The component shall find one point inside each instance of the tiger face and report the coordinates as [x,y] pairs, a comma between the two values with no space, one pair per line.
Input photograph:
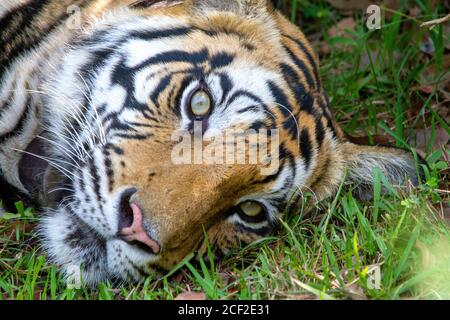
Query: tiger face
[127,197]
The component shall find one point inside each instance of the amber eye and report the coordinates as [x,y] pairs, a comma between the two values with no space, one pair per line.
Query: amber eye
[251,209]
[200,103]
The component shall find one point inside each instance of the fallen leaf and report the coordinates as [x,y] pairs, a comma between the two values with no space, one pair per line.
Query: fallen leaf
[11,226]
[431,76]
[374,57]
[340,29]
[305,296]
[178,278]
[423,139]
[190,295]
[378,139]
[426,89]
[355,292]
[323,49]
[226,278]
[347,7]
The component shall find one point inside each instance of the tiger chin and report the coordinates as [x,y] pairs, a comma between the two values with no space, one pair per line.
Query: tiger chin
[93,92]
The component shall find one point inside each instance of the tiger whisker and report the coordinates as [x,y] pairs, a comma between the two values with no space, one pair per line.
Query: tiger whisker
[59,189]
[65,150]
[75,115]
[97,117]
[63,170]
[89,99]
[84,124]
[78,145]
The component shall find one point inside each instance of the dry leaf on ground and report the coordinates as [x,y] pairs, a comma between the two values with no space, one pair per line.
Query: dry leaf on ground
[423,139]
[347,7]
[339,29]
[191,296]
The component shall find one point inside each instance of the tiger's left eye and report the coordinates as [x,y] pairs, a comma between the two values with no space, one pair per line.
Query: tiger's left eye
[200,103]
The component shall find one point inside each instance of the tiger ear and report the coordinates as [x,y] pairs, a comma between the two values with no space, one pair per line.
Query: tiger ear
[396,165]
[247,8]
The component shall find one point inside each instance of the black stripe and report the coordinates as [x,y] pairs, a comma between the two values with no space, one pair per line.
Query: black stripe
[162,85]
[301,65]
[285,156]
[145,125]
[308,55]
[305,146]
[175,56]
[243,39]
[103,36]
[116,149]
[26,12]
[244,93]
[221,60]
[290,125]
[303,98]
[257,125]
[80,180]
[27,42]
[7,104]
[159,34]
[326,112]
[146,3]
[259,231]
[320,132]
[95,181]
[134,136]
[280,98]
[184,83]
[19,125]
[272,177]
[109,170]
[226,85]
[284,153]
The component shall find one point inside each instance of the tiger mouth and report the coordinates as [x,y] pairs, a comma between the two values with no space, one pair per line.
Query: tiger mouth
[33,167]
[39,176]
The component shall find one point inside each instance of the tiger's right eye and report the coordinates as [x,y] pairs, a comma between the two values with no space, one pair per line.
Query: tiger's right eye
[252,211]
[200,103]
[251,208]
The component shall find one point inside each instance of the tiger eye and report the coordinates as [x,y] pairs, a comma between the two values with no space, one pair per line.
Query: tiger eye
[251,208]
[200,103]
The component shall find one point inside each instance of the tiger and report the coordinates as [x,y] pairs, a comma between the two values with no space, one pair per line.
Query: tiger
[92,93]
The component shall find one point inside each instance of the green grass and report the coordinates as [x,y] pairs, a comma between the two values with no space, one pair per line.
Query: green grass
[329,252]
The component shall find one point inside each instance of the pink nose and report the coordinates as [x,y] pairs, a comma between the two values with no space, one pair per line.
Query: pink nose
[137,232]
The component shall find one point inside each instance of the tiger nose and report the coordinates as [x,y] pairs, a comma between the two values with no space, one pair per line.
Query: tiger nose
[131,224]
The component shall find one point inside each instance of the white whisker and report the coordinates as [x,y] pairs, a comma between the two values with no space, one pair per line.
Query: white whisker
[60,168]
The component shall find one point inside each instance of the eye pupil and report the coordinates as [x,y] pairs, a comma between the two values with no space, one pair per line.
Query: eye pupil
[200,103]
[251,208]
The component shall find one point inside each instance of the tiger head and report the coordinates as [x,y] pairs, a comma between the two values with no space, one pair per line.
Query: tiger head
[147,100]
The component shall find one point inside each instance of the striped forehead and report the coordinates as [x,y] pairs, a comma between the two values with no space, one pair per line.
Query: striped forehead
[150,60]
